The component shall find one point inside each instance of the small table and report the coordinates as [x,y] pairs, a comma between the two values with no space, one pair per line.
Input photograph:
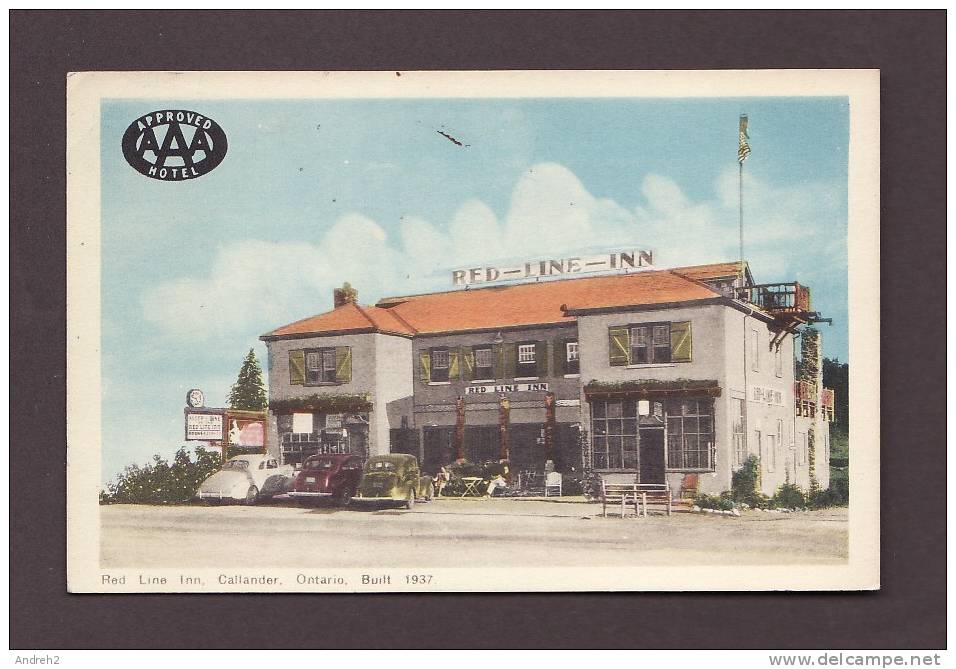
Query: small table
[471,485]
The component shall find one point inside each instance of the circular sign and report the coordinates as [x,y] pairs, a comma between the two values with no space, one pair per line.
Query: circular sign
[174,145]
[195,398]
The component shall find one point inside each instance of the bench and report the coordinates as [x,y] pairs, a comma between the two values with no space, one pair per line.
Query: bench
[620,493]
[655,493]
[638,494]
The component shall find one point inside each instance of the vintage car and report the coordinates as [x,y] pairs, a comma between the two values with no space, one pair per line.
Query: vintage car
[334,476]
[395,478]
[245,479]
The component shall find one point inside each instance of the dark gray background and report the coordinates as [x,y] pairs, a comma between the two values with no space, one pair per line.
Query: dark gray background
[909,48]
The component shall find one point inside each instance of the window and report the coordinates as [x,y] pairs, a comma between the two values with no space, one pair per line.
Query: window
[780,441]
[526,354]
[740,444]
[440,362]
[755,350]
[614,423]
[484,364]
[803,448]
[527,361]
[758,439]
[771,453]
[572,366]
[320,365]
[690,434]
[777,361]
[651,343]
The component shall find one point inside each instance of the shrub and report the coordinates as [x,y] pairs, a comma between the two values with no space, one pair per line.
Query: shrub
[745,482]
[789,496]
[838,493]
[160,482]
[722,502]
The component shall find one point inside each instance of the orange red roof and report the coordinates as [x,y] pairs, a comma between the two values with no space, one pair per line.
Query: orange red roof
[514,305]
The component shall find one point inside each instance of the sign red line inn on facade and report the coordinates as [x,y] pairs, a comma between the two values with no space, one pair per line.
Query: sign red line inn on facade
[619,370]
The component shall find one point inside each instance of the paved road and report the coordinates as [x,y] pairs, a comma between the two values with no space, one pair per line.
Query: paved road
[459,533]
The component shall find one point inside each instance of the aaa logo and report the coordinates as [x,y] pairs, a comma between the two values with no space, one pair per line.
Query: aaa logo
[174,145]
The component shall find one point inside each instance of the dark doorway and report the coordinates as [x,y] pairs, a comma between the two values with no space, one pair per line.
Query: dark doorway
[438,448]
[652,455]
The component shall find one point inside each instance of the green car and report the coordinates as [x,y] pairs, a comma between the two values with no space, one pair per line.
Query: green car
[394,478]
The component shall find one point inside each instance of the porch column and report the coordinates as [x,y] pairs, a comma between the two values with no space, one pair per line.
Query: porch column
[459,443]
[504,417]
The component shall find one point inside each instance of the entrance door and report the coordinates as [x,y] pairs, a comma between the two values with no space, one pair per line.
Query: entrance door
[652,455]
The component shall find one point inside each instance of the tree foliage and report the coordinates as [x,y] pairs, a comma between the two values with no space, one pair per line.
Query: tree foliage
[836,375]
[162,482]
[249,392]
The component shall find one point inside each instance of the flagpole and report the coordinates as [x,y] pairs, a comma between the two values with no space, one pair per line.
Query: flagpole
[740,198]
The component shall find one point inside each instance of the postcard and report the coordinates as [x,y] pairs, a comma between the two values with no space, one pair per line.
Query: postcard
[473,331]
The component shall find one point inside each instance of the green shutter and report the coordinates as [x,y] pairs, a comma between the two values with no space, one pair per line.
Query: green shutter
[467,363]
[453,366]
[541,357]
[682,348]
[560,351]
[619,346]
[508,360]
[297,367]
[343,364]
[425,369]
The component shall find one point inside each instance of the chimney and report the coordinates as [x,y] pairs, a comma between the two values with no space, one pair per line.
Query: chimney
[344,295]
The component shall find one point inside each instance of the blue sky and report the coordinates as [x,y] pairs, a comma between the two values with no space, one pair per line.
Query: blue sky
[314,193]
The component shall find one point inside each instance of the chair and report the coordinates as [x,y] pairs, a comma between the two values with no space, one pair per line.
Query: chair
[552,482]
[689,486]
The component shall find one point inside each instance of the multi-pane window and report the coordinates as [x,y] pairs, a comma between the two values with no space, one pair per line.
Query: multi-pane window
[484,364]
[527,363]
[614,423]
[690,434]
[320,365]
[740,444]
[572,365]
[651,343]
[439,360]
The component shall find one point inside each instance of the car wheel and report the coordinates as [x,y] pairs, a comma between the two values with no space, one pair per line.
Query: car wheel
[251,495]
[344,497]
[410,501]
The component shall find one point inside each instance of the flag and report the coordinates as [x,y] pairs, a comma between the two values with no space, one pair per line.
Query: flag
[743,148]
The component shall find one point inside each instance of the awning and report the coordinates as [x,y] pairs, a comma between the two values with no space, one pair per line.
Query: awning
[649,389]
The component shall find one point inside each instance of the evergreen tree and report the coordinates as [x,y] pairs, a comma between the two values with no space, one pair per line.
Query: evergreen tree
[249,392]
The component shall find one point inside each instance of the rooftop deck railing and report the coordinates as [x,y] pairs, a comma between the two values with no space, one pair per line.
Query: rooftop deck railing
[777,298]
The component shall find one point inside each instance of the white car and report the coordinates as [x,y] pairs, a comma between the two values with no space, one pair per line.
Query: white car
[246,479]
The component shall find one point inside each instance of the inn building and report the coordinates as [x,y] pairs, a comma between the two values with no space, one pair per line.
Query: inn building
[644,375]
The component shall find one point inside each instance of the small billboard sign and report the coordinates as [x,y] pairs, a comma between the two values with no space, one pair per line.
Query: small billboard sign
[203,426]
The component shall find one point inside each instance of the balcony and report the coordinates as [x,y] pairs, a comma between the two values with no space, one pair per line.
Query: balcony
[778,299]
[807,400]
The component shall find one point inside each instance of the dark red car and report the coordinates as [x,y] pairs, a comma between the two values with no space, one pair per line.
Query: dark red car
[334,477]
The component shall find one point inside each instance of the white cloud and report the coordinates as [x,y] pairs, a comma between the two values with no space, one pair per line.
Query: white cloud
[256,285]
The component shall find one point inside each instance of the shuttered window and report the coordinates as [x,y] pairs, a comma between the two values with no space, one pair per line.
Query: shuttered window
[320,366]
[440,359]
[650,343]
[527,365]
[441,365]
[571,365]
[484,364]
